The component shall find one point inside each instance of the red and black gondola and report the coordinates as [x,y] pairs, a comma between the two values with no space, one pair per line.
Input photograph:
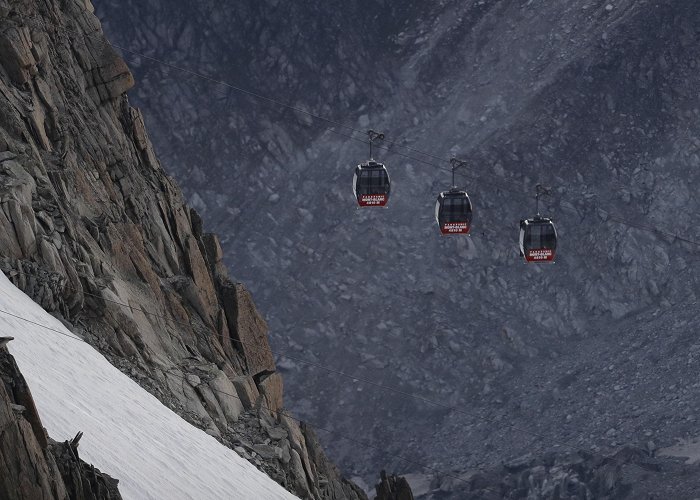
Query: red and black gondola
[538,235]
[538,239]
[453,208]
[371,184]
[453,212]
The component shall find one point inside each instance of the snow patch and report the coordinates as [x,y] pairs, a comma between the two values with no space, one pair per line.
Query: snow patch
[129,434]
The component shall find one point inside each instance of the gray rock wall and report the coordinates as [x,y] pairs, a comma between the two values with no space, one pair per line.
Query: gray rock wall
[93,229]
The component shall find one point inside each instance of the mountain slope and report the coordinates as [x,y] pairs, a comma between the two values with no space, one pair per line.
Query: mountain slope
[597,100]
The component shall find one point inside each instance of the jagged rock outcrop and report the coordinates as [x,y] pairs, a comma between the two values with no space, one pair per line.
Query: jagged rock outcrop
[93,229]
[32,466]
[393,487]
[83,481]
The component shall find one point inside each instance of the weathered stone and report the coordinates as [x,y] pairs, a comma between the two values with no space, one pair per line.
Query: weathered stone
[248,328]
[140,136]
[7,155]
[276,433]
[8,238]
[211,404]
[271,387]
[20,183]
[16,54]
[226,394]
[215,255]
[50,255]
[24,472]
[187,290]
[265,451]
[193,404]
[284,451]
[393,488]
[23,228]
[301,485]
[324,468]
[111,77]
[83,481]
[199,271]
[298,444]
[247,391]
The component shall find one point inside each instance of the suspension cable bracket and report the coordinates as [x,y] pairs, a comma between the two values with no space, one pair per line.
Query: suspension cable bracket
[456,163]
[374,136]
[540,191]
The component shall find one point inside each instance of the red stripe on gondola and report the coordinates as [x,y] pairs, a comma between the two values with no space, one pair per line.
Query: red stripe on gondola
[540,255]
[455,228]
[373,200]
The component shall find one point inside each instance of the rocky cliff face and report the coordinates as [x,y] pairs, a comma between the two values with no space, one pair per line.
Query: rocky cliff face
[31,465]
[596,99]
[93,229]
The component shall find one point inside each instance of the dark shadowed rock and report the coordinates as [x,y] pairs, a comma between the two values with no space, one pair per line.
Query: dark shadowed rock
[83,481]
[393,487]
[31,468]
[249,328]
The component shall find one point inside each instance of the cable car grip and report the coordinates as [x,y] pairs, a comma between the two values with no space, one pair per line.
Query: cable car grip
[540,191]
[456,163]
[374,136]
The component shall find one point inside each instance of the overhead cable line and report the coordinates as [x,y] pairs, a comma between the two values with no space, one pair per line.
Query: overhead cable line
[499,186]
[273,101]
[243,343]
[390,389]
[102,39]
[369,382]
[334,371]
[278,412]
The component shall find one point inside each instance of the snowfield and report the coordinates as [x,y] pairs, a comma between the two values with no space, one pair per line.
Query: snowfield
[129,434]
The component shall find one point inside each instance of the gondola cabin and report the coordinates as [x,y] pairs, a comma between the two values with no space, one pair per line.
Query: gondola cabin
[538,240]
[453,212]
[371,184]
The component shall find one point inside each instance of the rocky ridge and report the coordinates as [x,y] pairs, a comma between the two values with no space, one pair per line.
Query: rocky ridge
[93,229]
[32,466]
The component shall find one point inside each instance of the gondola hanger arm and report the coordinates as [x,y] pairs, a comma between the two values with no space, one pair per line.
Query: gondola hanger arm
[456,163]
[374,136]
[540,191]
